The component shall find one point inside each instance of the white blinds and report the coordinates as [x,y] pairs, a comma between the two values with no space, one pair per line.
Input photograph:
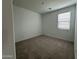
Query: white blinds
[64,20]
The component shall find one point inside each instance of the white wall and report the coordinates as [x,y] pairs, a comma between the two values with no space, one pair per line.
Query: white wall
[50,24]
[27,23]
[8,44]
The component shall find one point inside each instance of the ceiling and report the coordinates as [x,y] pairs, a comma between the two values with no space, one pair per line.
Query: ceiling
[43,6]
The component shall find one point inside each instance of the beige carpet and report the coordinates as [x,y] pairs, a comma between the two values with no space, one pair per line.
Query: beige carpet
[44,47]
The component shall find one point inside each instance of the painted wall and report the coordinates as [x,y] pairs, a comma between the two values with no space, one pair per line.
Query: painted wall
[50,24]
[75,41]
[27,24]
[8,45]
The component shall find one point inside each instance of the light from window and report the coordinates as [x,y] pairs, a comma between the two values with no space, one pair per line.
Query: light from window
[64,21]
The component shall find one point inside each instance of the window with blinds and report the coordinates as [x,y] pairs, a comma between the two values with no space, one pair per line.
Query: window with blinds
[64,21]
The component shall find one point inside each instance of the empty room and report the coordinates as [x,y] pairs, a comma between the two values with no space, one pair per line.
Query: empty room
[44,29]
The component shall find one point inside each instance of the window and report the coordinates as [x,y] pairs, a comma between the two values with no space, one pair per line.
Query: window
[64,21]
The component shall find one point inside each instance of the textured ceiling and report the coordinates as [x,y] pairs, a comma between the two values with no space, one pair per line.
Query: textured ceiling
[43,6]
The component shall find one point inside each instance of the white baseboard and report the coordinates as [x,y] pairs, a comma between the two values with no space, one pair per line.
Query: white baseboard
[58,37]
[28,37]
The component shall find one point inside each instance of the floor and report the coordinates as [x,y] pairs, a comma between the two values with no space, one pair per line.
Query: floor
[44,47]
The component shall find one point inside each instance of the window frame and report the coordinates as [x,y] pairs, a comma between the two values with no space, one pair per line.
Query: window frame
[64,21]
